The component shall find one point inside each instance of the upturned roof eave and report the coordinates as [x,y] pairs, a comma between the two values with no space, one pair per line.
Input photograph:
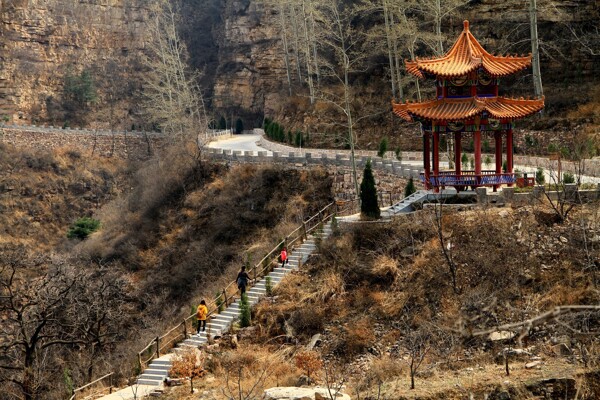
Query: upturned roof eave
[473,106]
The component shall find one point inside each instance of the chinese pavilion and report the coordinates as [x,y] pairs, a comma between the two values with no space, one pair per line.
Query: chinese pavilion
[467,103]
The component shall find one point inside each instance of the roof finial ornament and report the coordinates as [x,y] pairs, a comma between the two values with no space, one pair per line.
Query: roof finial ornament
[466,24]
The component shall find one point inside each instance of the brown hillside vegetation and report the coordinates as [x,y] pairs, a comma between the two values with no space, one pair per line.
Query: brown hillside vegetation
[172,231]
[181,228]
[42,193]
[381,295]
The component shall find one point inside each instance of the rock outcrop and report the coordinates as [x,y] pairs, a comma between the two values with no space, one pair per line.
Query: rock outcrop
[304,393]
[43,39]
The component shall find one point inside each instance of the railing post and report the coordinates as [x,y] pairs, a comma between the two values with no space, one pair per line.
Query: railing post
[140,361]
[255,273]
[110,385]
[304,230]
[225,297]
[184,330]
[157,346]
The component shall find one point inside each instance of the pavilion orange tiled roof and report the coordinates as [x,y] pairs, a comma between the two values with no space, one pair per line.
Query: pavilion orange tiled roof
[466,56]
[465,108]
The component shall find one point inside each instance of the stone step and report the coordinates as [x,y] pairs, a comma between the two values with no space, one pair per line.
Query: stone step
[149,382]
[156,372]
[231,313]
[157,368]
[158,361]
[154,377]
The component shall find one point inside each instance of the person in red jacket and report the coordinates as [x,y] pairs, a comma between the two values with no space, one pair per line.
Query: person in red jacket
[283,257]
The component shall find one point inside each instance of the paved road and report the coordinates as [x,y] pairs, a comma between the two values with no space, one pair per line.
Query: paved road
[245,142]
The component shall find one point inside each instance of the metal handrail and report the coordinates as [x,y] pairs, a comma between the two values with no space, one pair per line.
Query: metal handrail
[323,215]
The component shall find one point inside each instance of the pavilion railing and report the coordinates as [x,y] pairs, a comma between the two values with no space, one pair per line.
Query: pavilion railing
[469,178]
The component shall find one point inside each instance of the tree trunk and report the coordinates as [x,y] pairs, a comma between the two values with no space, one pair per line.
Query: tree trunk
[296,41]
[398,75]
[537,76]
[311,87]
[313,40]
[389,46]
[438,27]
[285,46]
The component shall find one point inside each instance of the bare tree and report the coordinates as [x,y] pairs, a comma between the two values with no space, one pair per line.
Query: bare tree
[173,99]
[445,245]
[417,343]
[345,45]
[98,303]
[33,322]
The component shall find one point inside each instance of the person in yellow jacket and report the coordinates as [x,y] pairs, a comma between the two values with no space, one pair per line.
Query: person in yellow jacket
[201,314]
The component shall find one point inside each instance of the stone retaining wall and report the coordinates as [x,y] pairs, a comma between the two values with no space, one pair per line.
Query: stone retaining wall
[390,177]
[135,145]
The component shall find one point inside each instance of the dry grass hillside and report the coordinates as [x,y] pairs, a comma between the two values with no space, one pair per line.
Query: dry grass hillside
[42,193]
[382,298]
[173,230]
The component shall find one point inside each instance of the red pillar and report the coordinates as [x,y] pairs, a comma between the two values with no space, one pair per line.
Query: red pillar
[509,151]
[426,155]
[457,152]
[498,146]
[477,145]
[436,157]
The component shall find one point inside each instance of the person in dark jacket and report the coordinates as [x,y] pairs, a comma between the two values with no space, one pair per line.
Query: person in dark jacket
[242,280]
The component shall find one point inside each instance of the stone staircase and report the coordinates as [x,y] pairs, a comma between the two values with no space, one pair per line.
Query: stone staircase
[405,206]
[159,368]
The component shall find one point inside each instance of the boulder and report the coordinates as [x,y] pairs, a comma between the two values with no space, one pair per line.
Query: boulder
[562,349]
[304,393]
[501,335]
[314,341]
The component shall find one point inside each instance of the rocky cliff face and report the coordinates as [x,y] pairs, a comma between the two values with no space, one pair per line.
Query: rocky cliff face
[251,78]
[237,45]
[43,39]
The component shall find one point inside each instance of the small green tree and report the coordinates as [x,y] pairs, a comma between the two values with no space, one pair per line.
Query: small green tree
[268,286]
[568,178]
[486,146]
[244,311]
[464,160]
[368,194]
[410,187]
[298,140]
[222,123]
[540,178]
[398,153]
[488,160]
[383,146]
[239,126]
[83,227]
[219,301]
[472,163]
[505,167]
